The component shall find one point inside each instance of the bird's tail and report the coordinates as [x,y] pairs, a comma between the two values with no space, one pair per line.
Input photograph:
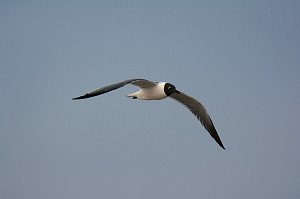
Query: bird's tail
[133,95]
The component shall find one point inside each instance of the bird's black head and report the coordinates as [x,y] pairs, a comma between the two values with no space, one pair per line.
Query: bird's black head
[169,89]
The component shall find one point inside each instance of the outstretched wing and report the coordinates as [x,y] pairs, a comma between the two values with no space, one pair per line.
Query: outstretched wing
[200,112]
[142,83]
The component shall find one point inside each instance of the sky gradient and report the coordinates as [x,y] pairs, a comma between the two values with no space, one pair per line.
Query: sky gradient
[240,59]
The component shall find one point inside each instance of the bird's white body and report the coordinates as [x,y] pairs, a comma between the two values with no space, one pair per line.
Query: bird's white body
[151,93]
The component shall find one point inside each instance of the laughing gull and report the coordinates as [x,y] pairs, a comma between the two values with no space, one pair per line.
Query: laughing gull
[160,90]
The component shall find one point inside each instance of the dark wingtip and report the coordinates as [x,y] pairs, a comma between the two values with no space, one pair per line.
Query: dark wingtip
[81,97]
[213,132]
[218,140]
[222,146]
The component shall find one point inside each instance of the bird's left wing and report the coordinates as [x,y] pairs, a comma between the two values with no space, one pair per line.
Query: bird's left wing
[200,112]
[143,83]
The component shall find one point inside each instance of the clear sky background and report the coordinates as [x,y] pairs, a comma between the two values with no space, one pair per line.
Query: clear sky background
[239,58]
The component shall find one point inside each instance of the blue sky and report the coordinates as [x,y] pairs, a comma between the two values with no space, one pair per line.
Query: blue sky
[240,59]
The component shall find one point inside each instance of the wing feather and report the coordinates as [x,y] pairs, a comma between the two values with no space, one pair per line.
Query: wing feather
[200,112]
[142,83]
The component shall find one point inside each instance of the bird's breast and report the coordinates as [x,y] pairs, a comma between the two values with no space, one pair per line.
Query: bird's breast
[153,93]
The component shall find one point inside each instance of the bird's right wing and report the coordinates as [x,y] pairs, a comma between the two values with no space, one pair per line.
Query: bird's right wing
[142,83]
[200,112]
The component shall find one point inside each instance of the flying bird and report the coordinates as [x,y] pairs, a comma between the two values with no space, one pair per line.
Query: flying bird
[150,90]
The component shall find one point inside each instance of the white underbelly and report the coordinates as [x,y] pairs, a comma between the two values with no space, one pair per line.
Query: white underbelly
[154,93]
